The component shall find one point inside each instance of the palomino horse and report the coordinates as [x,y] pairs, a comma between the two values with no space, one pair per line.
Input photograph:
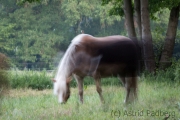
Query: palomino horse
[97,57]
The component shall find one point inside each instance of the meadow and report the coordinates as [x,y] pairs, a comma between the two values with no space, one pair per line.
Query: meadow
[29,98]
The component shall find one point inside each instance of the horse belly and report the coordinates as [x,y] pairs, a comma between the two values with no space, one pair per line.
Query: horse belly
[107,70]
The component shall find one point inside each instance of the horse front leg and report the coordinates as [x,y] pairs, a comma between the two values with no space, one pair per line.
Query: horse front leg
[79,81]
[98,89]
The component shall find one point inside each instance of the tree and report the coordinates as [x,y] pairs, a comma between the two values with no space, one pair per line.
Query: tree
[29,34]
[128,12]
[142,20]
[165,60]
[143,26]
[169,40]
[79,13]
[6,31]
[147,37]
[33,33]
[137,8]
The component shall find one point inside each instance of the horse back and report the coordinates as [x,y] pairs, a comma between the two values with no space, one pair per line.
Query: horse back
[115,55]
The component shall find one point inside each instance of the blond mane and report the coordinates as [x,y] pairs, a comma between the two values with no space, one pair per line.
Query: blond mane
[66,64]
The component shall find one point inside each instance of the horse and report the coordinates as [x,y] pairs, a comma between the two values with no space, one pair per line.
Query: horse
[98,57]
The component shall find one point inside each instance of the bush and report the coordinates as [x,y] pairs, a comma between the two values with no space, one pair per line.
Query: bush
[170,76]
[4,65]
[4,84]
[42,80]
[30,79]
[177,72]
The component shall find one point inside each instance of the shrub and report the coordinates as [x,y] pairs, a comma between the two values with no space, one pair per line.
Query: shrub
[30,79]
[171,75]
[4,84]
[4,65]
[177,72]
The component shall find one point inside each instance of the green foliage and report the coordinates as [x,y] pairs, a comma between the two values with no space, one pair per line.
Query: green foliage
[116,9]
[158,31]
[154,6]
[34,33]
[81,14]
[30,79]
[4,65]
[177,72]
[4,84]
[170,76]
[42,80]
[161,4]
[21,2]
[26,35]
[6,31]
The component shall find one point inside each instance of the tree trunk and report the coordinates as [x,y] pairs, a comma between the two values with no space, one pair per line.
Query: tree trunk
[165,60]
[129,22]
[149,59]
[137,8]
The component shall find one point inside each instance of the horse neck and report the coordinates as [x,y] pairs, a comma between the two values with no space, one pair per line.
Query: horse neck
[64,71]
[66,65]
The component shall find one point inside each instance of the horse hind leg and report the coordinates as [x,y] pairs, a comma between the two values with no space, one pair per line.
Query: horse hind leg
[79,81]
[99,89]
[131,89]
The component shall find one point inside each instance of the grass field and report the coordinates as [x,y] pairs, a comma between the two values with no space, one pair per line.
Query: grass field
[156,100]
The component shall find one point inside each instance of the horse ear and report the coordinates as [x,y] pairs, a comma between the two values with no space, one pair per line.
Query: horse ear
[53,80]
[69,79]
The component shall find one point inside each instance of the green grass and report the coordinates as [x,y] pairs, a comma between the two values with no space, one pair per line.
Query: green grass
[153,97]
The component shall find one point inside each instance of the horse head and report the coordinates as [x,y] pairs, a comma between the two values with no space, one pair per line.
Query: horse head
[62,89]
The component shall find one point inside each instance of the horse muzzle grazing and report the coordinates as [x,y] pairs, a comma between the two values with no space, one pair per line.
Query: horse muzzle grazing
[62,90]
